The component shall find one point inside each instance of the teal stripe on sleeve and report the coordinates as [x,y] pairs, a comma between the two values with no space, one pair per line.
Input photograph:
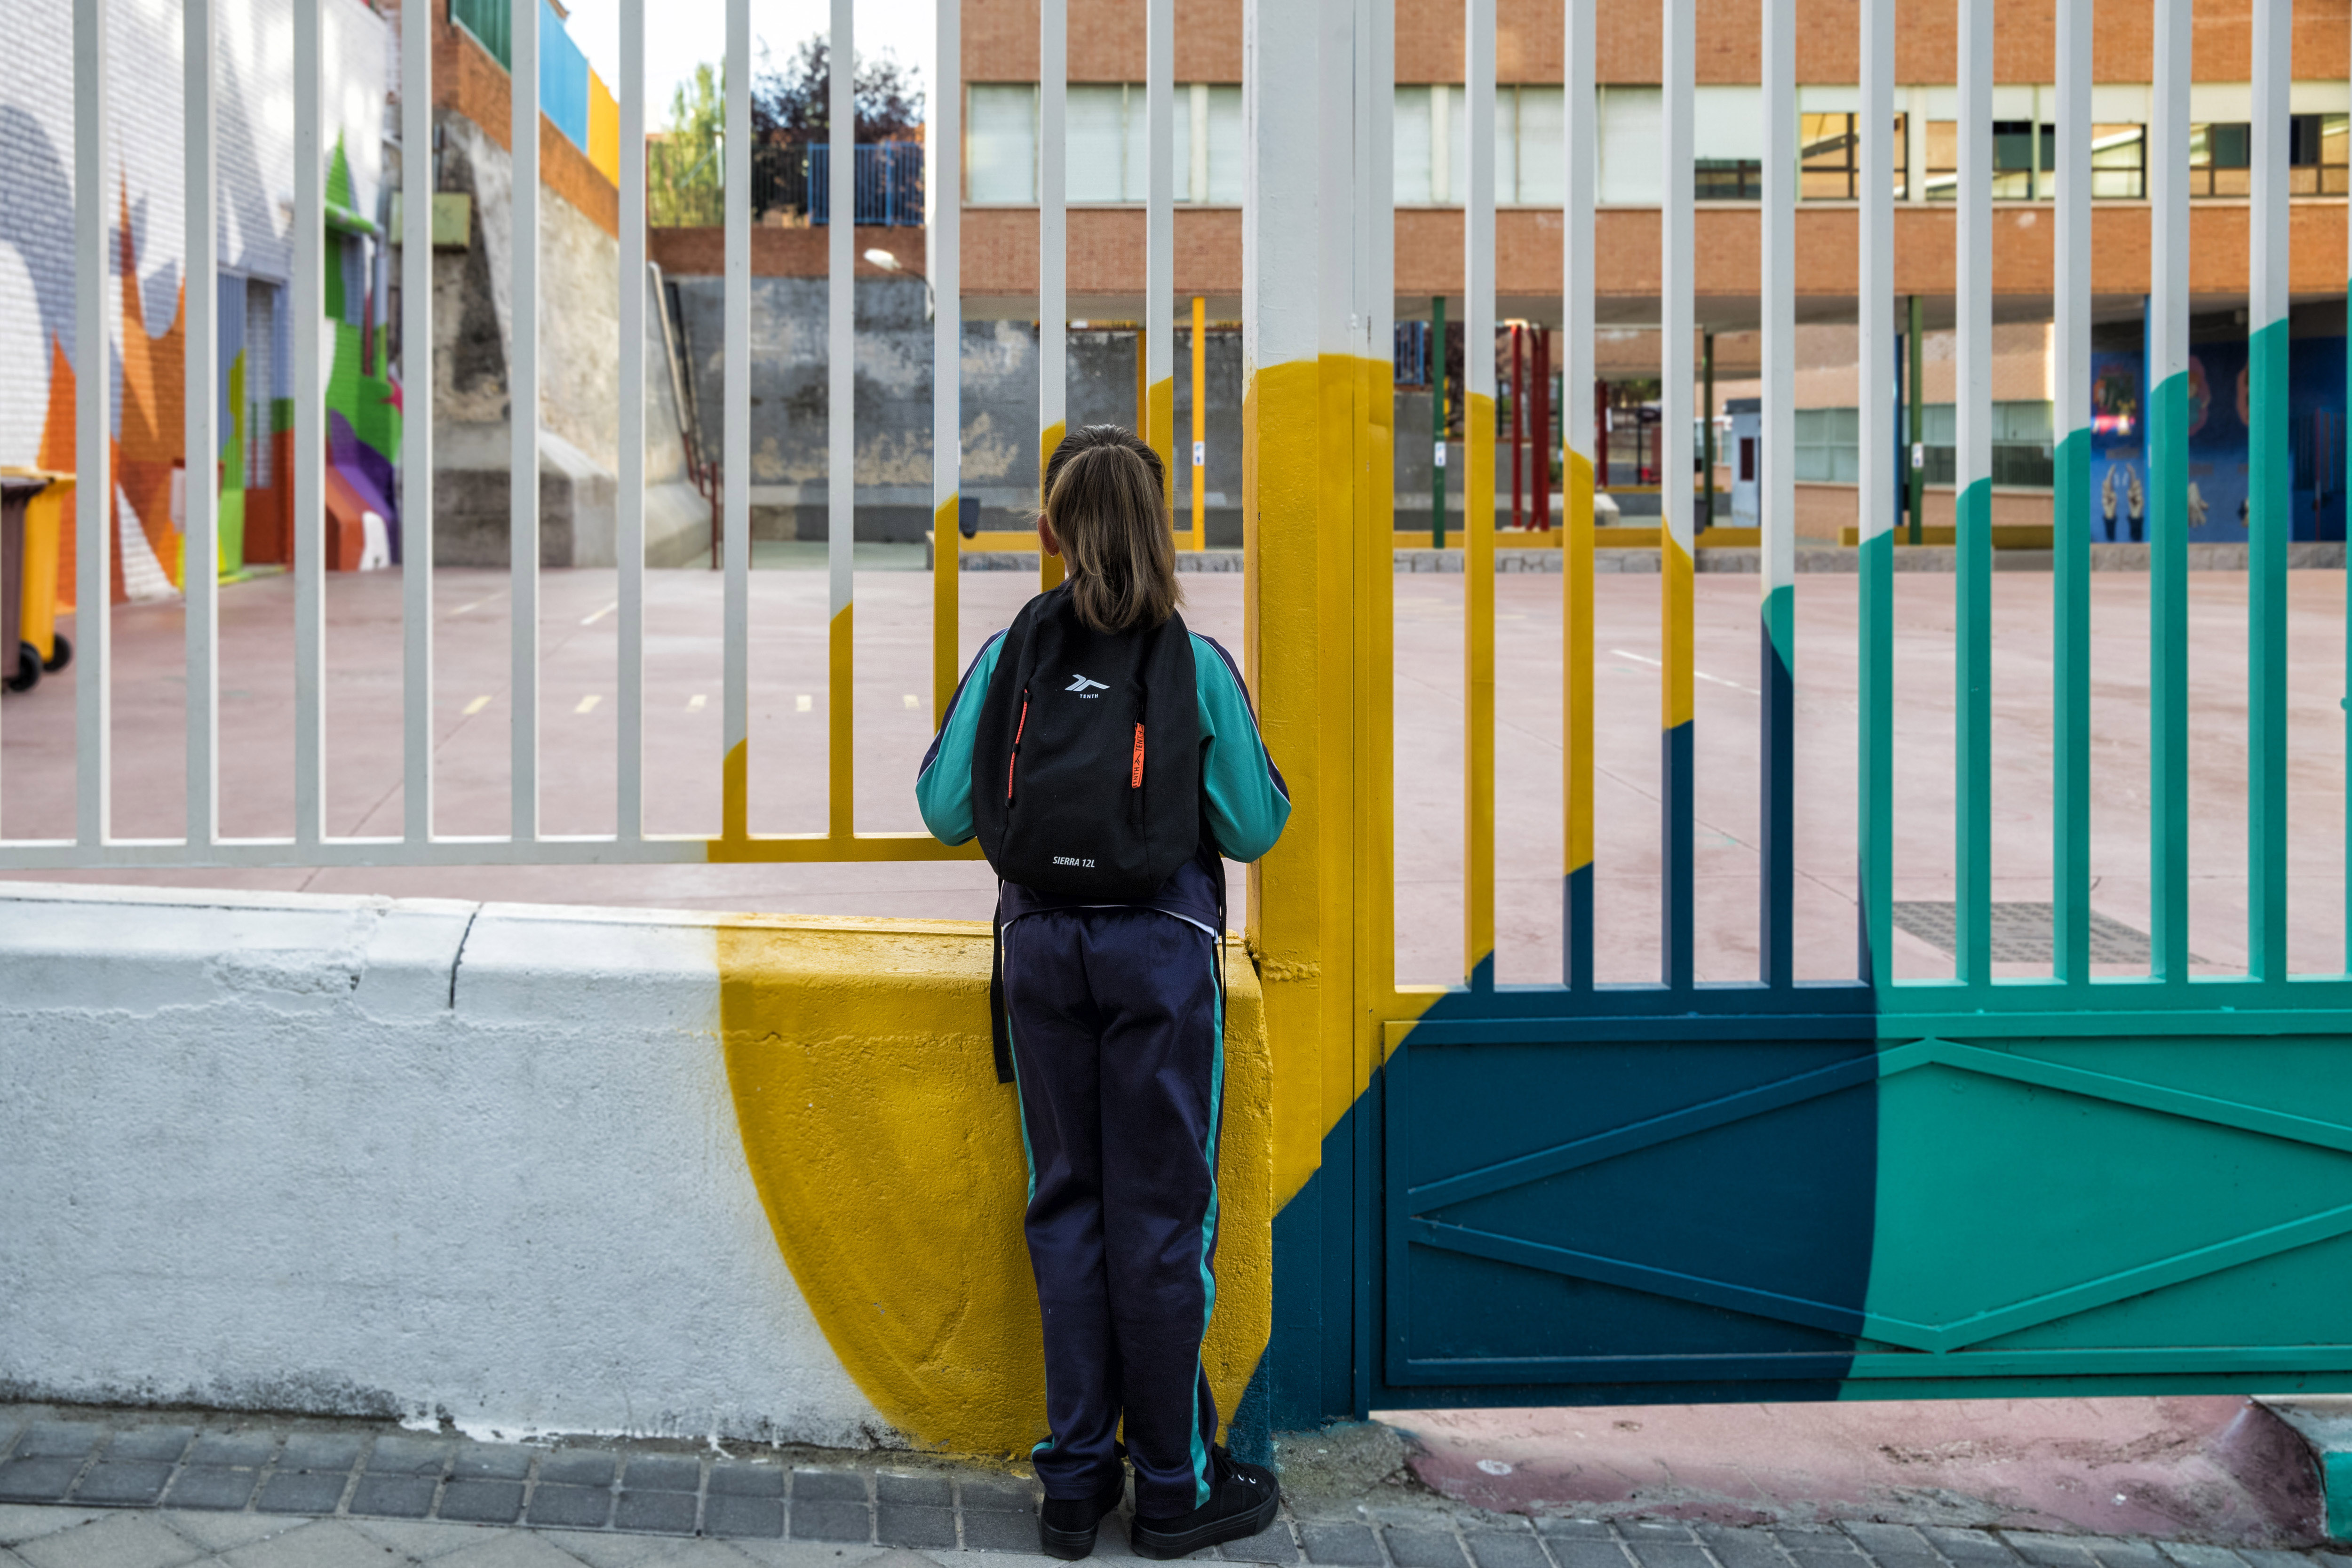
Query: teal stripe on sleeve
[943,789]
[1248,804]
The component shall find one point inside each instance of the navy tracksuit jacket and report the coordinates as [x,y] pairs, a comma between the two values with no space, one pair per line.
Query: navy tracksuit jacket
[1118,1047]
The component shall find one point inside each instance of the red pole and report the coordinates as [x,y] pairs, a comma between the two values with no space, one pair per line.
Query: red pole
[1543,431]
[1518,403]
[1600,435]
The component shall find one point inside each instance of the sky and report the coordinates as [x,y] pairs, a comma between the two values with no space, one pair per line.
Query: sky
[682,34]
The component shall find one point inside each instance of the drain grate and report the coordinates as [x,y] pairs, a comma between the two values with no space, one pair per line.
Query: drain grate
[2020,933]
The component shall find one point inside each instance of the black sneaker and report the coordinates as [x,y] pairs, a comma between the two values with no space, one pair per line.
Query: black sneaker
[1066,1526]
[1242,1500]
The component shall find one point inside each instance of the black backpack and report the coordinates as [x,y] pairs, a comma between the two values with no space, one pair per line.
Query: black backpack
[1086,767]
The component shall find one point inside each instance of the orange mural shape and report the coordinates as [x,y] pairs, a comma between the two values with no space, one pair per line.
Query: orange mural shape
[152,439]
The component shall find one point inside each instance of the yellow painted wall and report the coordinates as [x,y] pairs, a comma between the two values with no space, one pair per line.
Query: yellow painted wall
[604,129]
[889,1161]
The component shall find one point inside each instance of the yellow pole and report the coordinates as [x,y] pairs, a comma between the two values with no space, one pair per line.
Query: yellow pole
[1200,421]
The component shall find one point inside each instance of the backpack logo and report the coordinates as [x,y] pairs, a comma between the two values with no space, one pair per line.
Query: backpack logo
[1084,688]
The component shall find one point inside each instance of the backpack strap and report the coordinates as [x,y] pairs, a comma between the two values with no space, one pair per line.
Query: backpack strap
[1000,1025]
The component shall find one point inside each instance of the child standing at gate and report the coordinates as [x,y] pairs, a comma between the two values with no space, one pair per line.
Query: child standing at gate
[1108,760]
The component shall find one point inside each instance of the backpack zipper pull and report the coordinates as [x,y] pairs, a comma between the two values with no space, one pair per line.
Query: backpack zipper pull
[1015,762]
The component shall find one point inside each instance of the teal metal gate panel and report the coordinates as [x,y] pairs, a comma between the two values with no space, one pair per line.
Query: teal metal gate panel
[1730,1216]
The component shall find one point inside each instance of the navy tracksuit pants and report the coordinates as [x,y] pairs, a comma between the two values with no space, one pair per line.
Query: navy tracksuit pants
[1118,1045]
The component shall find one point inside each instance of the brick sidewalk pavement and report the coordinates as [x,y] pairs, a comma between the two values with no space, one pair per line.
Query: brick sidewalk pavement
[139,1489]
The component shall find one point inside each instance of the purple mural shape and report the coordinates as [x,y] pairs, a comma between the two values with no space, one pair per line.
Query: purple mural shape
[369,473]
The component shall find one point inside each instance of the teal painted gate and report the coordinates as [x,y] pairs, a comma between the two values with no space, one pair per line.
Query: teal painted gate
[1678,1192]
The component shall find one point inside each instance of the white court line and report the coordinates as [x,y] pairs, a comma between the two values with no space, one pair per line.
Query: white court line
[1654,664]
[600,615]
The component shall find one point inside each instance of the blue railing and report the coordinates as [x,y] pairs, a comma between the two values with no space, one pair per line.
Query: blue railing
[799,179]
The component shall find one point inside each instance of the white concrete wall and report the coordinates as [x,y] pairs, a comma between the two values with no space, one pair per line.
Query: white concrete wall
[403,1158]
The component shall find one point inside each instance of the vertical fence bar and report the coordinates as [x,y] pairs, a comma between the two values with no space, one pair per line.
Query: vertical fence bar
[2071,525]
[416,421]
[1777,892]
[1159,238]
[522,403]
[943,197]
[735,439]
[1972,490]
[1478,496]
[1579,158]
[2272,497]
[629,818]
[2167,467]
[200,553]
[307,301]
[1881,471]
[93,426]
[1374,593]
[1437,422]
[1053,248]
[1675,542]
[841,432]
[1200,421]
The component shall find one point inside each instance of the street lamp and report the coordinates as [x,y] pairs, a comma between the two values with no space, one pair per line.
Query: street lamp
[889,263]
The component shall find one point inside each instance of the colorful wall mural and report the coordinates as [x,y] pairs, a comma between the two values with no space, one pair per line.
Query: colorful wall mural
[255,153]
[2218,420]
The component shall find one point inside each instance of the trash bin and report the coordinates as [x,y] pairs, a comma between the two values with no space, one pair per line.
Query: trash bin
[32,509]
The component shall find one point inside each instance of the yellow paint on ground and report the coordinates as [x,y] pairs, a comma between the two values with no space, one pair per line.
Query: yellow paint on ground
[889,1162]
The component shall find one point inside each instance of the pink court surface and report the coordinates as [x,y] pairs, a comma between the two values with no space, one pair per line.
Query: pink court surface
[2164,1466]
[790,697]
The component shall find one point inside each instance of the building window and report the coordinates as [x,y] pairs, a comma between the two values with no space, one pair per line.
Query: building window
[1941,174]
[1429,167]
[1001,143]
[2316,156]
[1829,155]
[1104,152]
[1631,127]
[2020,443]
[2021,156]
[1106,144]
[2119,162]
[1727,179]
[2221,158]
[1829,446]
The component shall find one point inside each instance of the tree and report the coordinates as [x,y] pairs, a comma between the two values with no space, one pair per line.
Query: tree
[684,172]
[794,104]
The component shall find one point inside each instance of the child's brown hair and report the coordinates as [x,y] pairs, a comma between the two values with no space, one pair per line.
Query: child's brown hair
[1106,496]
